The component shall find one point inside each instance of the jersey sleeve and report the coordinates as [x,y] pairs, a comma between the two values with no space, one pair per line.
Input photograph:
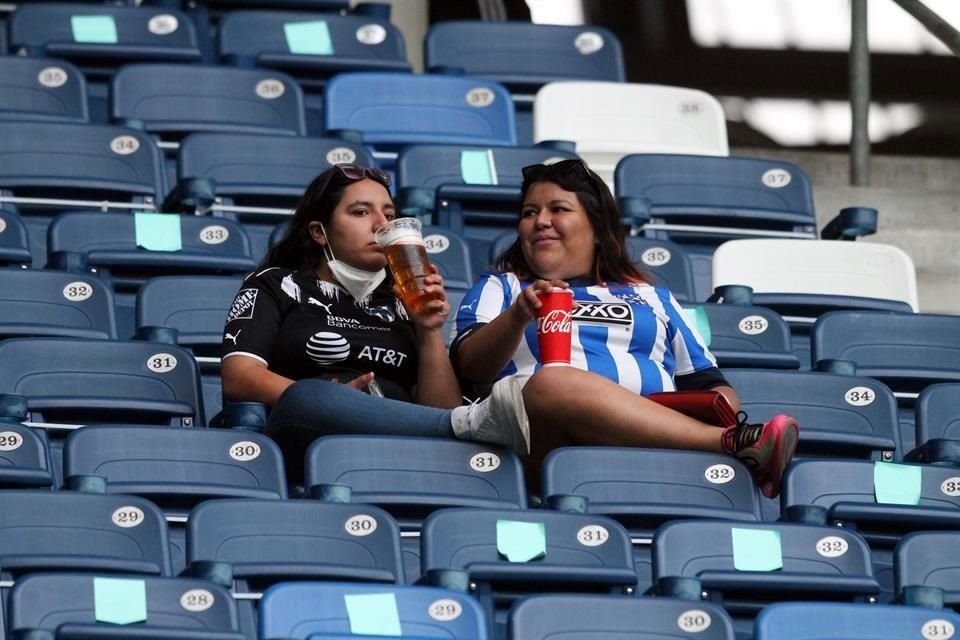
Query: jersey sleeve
[486,300]
[689,348]
[254,317]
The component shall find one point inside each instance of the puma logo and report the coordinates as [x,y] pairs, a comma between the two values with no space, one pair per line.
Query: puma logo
[469,307]
[326,307]
[230,336]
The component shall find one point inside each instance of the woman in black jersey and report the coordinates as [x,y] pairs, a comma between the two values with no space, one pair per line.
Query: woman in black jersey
[320,322]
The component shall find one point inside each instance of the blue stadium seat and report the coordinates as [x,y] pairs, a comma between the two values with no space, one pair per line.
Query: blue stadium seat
[55,303]
[70,381]
[749,336]
[926,569]
[317,611]
[24,455]
[644,488]
[396,109]
[66,531]
[701,201]
[474,191]
[323,6]
[42,89]
[840,416]
[60,606]
[523,57]
[216,99]
[257,179]
[817,620]
[14,240]
[412,477]
[611,618]
[450,254]
[938,416]
[725,560]
[497,550]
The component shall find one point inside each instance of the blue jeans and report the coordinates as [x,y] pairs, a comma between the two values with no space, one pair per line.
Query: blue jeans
[313,407]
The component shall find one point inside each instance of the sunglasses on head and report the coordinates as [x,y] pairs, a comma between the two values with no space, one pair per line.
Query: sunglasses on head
[355,173]
[539,172]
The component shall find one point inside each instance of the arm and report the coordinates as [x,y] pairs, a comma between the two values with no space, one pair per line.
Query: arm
[248,380]
[437,384]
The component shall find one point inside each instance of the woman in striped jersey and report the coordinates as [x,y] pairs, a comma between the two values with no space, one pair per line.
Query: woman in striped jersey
[630,338]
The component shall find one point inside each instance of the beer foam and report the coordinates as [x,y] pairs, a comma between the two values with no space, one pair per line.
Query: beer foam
[392,235]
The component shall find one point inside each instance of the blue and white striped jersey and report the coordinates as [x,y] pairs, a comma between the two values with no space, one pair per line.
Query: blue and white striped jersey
[636,335]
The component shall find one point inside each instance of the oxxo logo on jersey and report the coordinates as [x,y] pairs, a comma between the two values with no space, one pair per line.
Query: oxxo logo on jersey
[603,312]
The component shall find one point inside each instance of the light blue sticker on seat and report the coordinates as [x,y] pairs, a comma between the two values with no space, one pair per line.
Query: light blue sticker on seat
[478,167]
[119,601]
[94,29]
[309,38]
[158,231]
[756,549]
[700,321]
[897,483]
[373,614]
[521,541]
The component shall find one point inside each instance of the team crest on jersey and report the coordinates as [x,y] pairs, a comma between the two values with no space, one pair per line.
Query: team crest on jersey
[634,298]
[618,313]
[243,305]
[384,313]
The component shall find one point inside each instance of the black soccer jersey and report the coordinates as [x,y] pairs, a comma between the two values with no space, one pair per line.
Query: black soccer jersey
[303,327]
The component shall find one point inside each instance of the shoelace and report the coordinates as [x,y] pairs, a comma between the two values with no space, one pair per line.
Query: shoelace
[741,435]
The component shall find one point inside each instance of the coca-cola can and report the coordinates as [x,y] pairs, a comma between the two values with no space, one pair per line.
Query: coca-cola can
[555,326]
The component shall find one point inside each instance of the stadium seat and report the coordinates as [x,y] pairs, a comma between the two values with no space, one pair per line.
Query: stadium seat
[258,179]
[473,191]
[323,6]
[644,488]
[59,606]
[611,617]
[523,57]
[251,544]
[609,120]
[42,89]
[701,201]
[508,553]
[412,477]
[316,611]
[14,241]
[937,418]
[24,453]
[55,303]
[926,569]
[745,565]
[69,381]
[391,110]
[817,620]
[748,336]
[840,416]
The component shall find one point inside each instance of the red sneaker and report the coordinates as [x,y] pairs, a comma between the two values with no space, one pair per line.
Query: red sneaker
[766,448]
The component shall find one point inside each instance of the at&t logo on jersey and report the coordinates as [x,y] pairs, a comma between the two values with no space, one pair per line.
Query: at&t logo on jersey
[327,348]
[603,312]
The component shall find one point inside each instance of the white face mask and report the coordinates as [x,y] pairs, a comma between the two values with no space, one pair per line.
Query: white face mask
[359,283]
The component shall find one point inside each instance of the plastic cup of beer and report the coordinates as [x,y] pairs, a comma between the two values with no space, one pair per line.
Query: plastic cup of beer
[402,244]
[555,326]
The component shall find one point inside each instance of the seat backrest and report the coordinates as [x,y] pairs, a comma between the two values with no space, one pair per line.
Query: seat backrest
[818,267]
[311,43]
[579,551]
[67,531]
[14,240]
[449,252]
[325,6]
[609,120]
[840,416]
[42,89]
[585,617]
[196,306]
[67,604]
[643,488]
[395,109]
[55,303]
[269,540]
[81,381]
[938,412]
[61,160]
[764,562]
[749,336]
[320,610]
[208,245]
[181,99]
[523,55]
[916,348]
[176,468]
[411,477]
[108,34]
[24,457]
[667,262]
[929,559]
[816,620]
[723,193]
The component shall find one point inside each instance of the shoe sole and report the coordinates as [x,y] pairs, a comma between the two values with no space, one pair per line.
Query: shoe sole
[515,400]
[785,447]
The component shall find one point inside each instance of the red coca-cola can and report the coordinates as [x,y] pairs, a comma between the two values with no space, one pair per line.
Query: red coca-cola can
[555,326]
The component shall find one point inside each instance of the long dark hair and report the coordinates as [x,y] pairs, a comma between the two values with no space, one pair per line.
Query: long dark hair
[611,262]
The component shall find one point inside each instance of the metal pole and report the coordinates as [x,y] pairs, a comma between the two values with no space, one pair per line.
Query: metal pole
[859,95]
[940,28]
